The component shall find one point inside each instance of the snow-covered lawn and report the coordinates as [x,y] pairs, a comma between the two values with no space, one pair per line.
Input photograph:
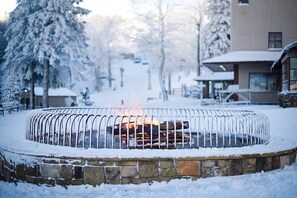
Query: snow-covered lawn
[278,183]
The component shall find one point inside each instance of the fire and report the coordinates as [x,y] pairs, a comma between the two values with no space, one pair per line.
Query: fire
[134,117]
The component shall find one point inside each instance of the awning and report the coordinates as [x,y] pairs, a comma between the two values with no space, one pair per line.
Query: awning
[216,76]
[225,62]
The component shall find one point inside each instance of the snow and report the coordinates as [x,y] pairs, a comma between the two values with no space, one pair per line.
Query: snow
[55,92]
[278,183]
[245,56]
[283,52]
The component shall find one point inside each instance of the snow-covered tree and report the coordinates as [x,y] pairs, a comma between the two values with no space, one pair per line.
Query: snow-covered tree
[105,35]
[217,32]
[197,11]
[48,32]
[3,42]
[152,30]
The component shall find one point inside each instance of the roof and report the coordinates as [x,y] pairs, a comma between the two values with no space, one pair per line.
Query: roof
[225,62]
[55,92]
[216,76]
[283,52]
[244,56]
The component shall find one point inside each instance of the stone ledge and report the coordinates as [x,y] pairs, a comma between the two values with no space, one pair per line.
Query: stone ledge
[95,171]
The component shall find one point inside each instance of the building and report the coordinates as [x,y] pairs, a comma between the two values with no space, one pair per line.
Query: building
[260,30]
[60,97]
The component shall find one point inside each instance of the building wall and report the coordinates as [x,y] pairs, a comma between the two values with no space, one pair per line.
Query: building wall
[244,80]
[54,101]
[251,23]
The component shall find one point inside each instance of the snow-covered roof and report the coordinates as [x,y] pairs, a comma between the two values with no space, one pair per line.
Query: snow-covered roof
[55,92]
[283,52]
[245,56]
[216,76]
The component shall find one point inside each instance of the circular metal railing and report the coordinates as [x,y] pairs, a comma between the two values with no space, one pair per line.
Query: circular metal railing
[141,128]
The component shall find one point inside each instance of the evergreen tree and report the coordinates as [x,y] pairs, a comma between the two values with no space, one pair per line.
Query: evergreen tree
[216,37]
[48,32]
[3,44]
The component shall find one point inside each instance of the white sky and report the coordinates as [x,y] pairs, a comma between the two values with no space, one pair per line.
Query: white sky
[103,7]
[6,6]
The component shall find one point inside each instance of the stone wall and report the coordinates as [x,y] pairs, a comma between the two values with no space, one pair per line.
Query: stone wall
[94,171]
[287,99]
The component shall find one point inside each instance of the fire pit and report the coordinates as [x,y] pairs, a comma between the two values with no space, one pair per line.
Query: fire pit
[122,128]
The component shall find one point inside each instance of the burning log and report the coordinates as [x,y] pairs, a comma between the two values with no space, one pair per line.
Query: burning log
[123,128]
[172,125]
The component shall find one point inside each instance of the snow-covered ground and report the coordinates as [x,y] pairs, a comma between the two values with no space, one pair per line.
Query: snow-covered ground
[278,183]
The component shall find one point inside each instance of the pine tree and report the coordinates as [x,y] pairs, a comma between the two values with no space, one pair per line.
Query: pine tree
[217,32]
[48,32]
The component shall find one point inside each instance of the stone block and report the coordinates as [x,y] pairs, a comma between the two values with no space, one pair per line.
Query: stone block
[249,169]
[47,181]
[112,175]
[127,163]
[188,168]
[168,172]
[66,171]
[50,170]
[1,166]
[93,175]
[223,163]
[252,161]
[33,171]
[7,174]
[93,163]
[148,169]
[284,160]
[167,164]
[208,163]
[275,162]
[129,171]
[78,172]
[236,167]
[126,180]
[268,164]
[260,164]
[292,158]
[63,182]
[31,179]
[50,161]
[73,161]
[20,172]
[77,182]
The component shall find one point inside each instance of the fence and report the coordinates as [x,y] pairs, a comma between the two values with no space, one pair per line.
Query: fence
[153,128]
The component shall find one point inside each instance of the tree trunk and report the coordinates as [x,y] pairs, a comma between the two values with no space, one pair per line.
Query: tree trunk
[198,50]
[98,79]
[109,71]
[169,84]
[32,85]
[162,53]
[45,84]
[32,94]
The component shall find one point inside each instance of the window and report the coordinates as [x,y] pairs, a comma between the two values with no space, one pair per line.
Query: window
[263,82]
[293,73]
[285,76]
[275,40]
[243,1]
